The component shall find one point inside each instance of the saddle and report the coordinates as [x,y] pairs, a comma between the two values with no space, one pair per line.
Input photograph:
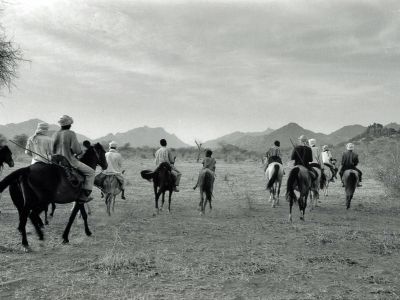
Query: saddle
[74,176]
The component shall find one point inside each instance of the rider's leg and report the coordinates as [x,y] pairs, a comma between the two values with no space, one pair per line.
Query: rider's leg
[88,172]
[177,176]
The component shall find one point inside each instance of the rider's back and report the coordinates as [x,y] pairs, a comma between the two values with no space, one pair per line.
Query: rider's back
[66,144]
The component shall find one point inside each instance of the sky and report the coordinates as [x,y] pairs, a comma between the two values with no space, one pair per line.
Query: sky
[202,69]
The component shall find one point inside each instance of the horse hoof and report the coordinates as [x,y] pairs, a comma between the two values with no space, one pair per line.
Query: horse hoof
[46,223]
[65,241]
[302,218]
[88,233]
[26,248]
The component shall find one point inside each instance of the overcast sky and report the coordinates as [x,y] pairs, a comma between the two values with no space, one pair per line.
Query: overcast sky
[205,68]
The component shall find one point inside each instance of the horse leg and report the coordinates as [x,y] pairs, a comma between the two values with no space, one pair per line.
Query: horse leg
[157,196]
[278,192]
[34,217]
[89,210]
[108,203]
[113,201]
[23,218]
[301,207]
[162,201]
[75,210]
[84,217]
[53,208]
[290,208]
[169,200]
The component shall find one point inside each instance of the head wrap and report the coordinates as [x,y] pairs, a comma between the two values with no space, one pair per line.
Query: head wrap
[312,142]
[303,139]
[350,146]
[65,120]
[113,144]
[41,128]
[325,147]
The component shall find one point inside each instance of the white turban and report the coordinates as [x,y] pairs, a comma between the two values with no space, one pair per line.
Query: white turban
[303,139]
[113,144]
[312,142]
[325,147]
[65,120]
[41,127]
[350,146]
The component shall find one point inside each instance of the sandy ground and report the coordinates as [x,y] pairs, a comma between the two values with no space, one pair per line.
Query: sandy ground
[243,249]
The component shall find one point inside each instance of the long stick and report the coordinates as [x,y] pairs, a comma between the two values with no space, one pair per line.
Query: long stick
[15,143]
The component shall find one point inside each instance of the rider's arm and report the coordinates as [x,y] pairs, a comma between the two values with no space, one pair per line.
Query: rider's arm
[75,146]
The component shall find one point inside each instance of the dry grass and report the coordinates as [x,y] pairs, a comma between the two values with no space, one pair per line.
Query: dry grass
[243,249]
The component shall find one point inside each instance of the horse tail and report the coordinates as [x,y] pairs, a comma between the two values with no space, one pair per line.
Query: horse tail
[291,183]
[147,174]
[351,183]
[12,178]
[274,177]
[208,185]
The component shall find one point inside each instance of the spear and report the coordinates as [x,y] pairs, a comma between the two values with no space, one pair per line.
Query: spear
[15,143]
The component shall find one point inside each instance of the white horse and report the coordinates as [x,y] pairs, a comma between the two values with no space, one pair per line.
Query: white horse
[329,176]
[273,176]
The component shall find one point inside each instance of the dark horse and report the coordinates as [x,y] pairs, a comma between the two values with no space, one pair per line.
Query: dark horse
[350,180]
[206,184]
[299,179]
[34,187]
[5,157]
[93,157]
[163,181]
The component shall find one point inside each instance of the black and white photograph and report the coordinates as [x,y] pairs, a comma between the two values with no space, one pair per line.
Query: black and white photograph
[200,149]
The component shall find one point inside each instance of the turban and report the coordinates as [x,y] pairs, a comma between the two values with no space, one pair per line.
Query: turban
[113,144]
[41,127]
[350,146]
[312,142]
[65,120]
[303,139]
[325,147]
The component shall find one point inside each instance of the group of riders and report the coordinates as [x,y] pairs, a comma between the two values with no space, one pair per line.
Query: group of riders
[41,147]
[307,154]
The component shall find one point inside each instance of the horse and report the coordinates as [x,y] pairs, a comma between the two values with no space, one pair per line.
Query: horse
[111,188]
[163,181]
[93,157]
[317,185]
[350,180]
[299,179]
[274,175]
[206,184]
[34,187]
[5,157]
[329,176]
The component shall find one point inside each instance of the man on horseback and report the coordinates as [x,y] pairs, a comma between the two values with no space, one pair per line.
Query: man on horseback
[328,161]
[114,161]
[164,155]
[273,154]
[303,155]
[67,145]
[350,161]
[40,145]
[208,163]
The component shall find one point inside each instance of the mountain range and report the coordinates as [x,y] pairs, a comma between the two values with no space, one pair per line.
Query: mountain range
[256,141]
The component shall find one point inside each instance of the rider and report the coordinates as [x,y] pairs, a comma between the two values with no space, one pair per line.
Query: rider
[302,155]
[40,146]
[164,155]
[350,161]
[274,154]
[66,144]
[328,161]
[208,163]
[114,161]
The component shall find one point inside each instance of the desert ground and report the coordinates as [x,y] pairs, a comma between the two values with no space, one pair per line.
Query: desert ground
[243,249]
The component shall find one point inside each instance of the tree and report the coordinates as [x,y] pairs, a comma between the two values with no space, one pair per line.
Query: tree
[10,55]
[199,149]
[21,139]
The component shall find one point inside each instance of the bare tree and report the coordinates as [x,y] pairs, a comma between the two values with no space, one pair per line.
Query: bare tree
[199,149]
[10,55]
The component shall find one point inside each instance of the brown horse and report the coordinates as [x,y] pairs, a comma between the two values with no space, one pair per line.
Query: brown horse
[206,184]
[299,179]
[5,157]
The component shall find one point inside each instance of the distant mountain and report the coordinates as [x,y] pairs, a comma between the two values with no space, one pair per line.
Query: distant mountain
[232,138]
[29,127]
[346,133]
[144,136]
[393,125]
[261,142]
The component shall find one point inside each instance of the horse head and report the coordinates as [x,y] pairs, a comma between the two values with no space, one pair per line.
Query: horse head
[101,155]
[6,156]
